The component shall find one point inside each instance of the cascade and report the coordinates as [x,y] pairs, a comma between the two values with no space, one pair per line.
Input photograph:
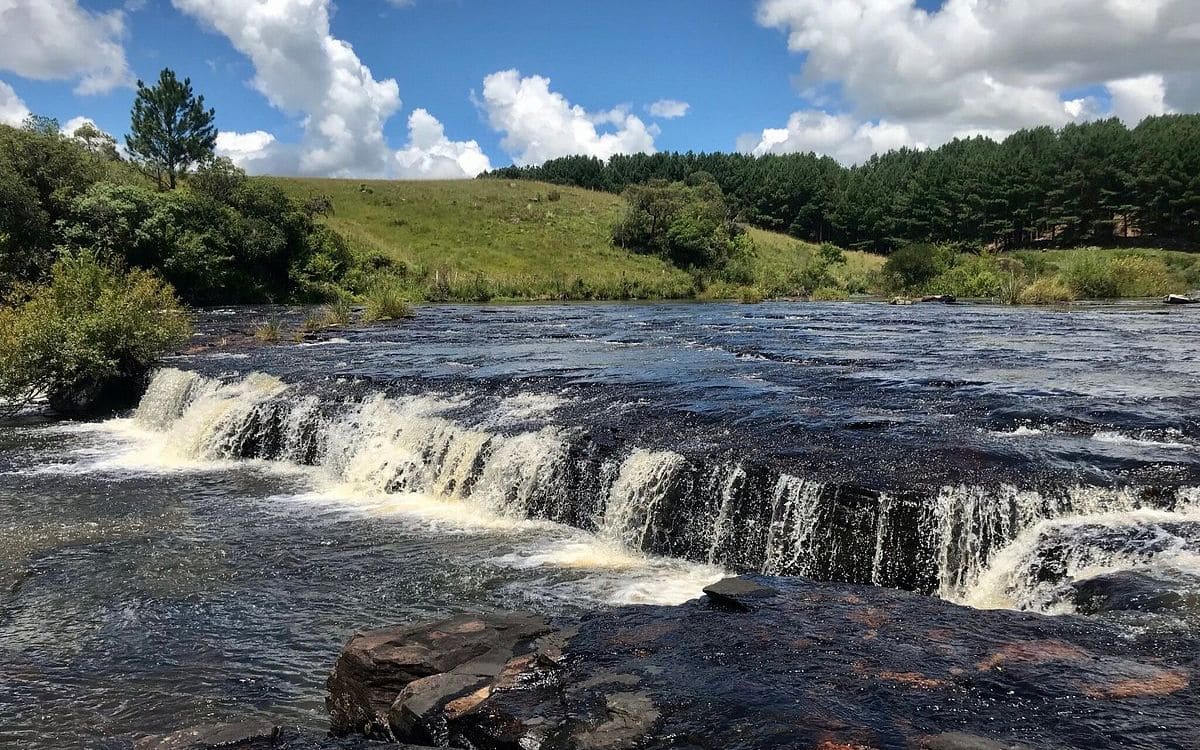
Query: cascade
[965,542]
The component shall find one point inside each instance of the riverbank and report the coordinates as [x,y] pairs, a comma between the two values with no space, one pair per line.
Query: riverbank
[479,240]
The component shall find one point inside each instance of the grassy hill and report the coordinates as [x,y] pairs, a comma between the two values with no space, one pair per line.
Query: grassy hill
[524,240]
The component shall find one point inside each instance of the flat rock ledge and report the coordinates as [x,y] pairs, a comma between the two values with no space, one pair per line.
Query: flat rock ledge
[772,663]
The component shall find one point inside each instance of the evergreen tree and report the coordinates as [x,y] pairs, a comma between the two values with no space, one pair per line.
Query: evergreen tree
[171,130]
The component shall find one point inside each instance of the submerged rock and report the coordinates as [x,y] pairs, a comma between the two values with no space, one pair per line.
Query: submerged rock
[254,734]
[250,735]
[776,663]
[1129,590]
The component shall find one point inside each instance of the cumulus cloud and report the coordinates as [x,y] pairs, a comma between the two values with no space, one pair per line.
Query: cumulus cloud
[429,154]
[252,151]
[75,123]
[303,70]
[668,109]
[1139,97]
[841,136]
[976,67]
[59,40]
[539,124]
[12,110]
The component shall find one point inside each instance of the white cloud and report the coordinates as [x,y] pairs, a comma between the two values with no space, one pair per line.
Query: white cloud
[303,70]
[429,154]
[247,150]
[841,136]
[75,123]
[58,40]
[976,67]
[1136,98]
[540,124]
[12,110]
[668,109]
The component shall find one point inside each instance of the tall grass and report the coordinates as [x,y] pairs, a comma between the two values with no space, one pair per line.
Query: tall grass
[386,302]
[1046,290]
[269,331]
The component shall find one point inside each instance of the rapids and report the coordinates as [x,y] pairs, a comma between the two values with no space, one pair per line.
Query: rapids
[205,555]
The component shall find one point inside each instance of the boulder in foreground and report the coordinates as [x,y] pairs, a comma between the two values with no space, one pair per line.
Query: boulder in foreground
[774,663]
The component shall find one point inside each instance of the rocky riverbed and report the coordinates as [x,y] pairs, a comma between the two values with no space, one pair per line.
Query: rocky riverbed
[759,662]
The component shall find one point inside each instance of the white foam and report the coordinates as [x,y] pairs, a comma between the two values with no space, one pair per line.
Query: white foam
[1022,431]
[1119,438]
[389,457]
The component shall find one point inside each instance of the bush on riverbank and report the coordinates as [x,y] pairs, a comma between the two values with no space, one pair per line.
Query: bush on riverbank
[1047,290]
[87,338]
[1038,277]
[222,237]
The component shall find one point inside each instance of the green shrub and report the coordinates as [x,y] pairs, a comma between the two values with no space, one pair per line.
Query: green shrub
[1091,277]
[86,339]
[831,254]
[749,295]
[386,302]
[974,277]
[829,294]
[1046,290]
[813,275]
[1139,276]
[911,267]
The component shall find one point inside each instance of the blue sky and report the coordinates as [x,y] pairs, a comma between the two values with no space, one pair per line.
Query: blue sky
[735,73]
[846,78]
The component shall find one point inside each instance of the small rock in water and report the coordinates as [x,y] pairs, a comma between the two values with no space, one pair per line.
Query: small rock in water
[738,594]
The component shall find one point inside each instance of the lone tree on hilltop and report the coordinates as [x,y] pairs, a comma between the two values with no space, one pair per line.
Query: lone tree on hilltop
[171,129]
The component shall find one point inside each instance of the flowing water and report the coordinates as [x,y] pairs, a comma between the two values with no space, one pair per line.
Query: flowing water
[204,557]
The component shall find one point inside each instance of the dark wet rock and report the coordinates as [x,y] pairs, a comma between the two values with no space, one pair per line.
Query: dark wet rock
[1128,590]
[98,397]
[245,734]
[375,668]
[421,710]
[738,594]
[257,735]
[798,664]
[963,741]
[945,299]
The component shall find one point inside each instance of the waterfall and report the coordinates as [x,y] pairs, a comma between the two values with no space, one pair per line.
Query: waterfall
[718,509]
[637,495]
[792,538]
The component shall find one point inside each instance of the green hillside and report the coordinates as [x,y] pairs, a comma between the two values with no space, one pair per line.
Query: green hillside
[524,240]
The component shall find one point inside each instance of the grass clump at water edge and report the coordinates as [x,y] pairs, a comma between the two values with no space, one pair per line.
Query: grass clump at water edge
[386,301]
[268,332]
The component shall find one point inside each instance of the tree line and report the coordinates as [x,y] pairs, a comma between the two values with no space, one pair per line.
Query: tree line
[168,205]
[1091,183]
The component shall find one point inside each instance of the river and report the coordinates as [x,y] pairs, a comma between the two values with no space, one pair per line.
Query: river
[205,557]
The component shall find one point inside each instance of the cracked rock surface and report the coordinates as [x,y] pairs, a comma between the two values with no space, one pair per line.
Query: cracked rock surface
[766,662]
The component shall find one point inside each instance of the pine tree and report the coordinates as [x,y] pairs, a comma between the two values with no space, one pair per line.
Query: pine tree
[171,130]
